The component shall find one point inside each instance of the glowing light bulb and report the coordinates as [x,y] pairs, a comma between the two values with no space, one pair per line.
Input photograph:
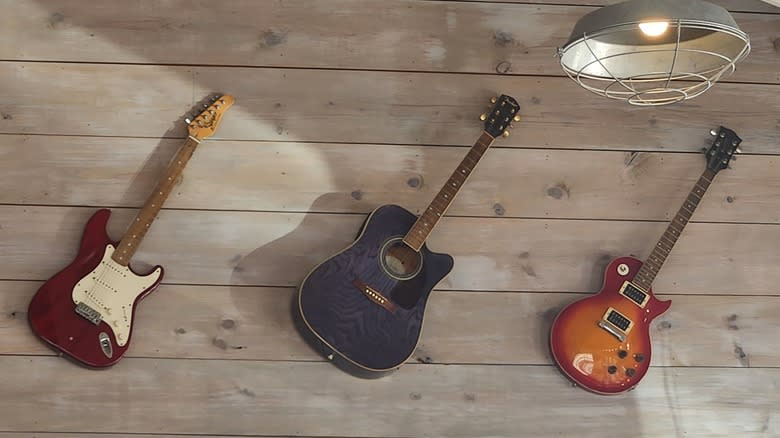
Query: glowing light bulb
[653,28]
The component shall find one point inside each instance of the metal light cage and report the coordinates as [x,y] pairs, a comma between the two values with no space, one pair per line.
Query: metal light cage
[608,54]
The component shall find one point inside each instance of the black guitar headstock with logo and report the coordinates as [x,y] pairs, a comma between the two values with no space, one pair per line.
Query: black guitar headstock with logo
[723,149]
[499,120]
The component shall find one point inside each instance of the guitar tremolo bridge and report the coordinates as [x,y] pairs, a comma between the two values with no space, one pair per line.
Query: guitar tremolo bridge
[88,313]
[375,296]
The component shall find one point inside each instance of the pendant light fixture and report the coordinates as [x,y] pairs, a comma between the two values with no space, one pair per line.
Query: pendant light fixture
[653,52]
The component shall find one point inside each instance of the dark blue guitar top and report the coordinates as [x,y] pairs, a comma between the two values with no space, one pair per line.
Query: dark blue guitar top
[353,325]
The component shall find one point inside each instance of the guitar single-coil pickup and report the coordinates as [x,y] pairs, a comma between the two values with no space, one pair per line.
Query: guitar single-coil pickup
[375,296]
[616,324]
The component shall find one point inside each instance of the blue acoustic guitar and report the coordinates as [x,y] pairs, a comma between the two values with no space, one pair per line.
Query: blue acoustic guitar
[363,308]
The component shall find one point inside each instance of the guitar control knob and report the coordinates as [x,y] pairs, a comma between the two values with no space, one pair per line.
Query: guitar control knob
[639,357]
[622,354]
[612,369]
[630,372]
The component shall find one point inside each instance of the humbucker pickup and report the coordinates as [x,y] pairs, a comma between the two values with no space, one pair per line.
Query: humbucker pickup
[89,313]
[616,324]
[633,293]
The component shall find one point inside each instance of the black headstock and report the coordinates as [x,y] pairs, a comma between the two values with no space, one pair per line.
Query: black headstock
[723,149]
[499,120]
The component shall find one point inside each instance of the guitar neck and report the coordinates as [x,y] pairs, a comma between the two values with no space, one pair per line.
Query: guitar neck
[644,278]
[143,220]
[419,232]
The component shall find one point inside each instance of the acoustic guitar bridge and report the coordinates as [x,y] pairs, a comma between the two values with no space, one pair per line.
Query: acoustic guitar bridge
[375,296]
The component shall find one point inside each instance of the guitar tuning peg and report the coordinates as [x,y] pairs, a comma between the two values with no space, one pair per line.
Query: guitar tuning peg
[506,133]
[493,99]
[713,133]
[205,105]
[483,117]
[516,118]
[187,120]
[738,150]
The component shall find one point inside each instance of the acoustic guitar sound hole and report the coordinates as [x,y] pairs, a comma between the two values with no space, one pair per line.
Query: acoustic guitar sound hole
[398,260]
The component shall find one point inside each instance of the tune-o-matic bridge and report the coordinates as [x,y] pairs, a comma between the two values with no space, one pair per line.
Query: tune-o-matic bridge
[375,296]
[89,313]
[616,324]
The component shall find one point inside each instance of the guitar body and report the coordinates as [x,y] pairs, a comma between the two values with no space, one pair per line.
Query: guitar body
[589,350]
[363,308]
[94,278]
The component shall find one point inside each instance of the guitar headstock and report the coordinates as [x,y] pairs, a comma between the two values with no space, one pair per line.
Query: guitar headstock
[499,120]
[723,149]
[205,124]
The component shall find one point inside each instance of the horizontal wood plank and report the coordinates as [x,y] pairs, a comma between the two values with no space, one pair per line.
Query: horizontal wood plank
[366,107]
[212,322]
[468,37]
[239,397]
[303,177]
[279,249]
[123,435]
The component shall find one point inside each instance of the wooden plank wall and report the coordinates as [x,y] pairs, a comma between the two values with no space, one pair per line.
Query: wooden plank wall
[342,106]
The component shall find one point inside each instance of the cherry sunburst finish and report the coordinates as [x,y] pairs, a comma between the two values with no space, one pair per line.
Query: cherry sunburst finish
[363,308]
[86,310]
[602,342]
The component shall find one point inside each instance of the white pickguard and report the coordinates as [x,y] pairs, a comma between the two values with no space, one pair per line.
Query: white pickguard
[111,289]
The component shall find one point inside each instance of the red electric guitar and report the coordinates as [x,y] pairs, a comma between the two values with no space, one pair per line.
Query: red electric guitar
[86,310]
[603,342]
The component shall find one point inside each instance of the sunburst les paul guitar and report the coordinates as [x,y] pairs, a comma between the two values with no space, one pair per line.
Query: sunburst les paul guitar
[86,310]
[363,308]
[602,342]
